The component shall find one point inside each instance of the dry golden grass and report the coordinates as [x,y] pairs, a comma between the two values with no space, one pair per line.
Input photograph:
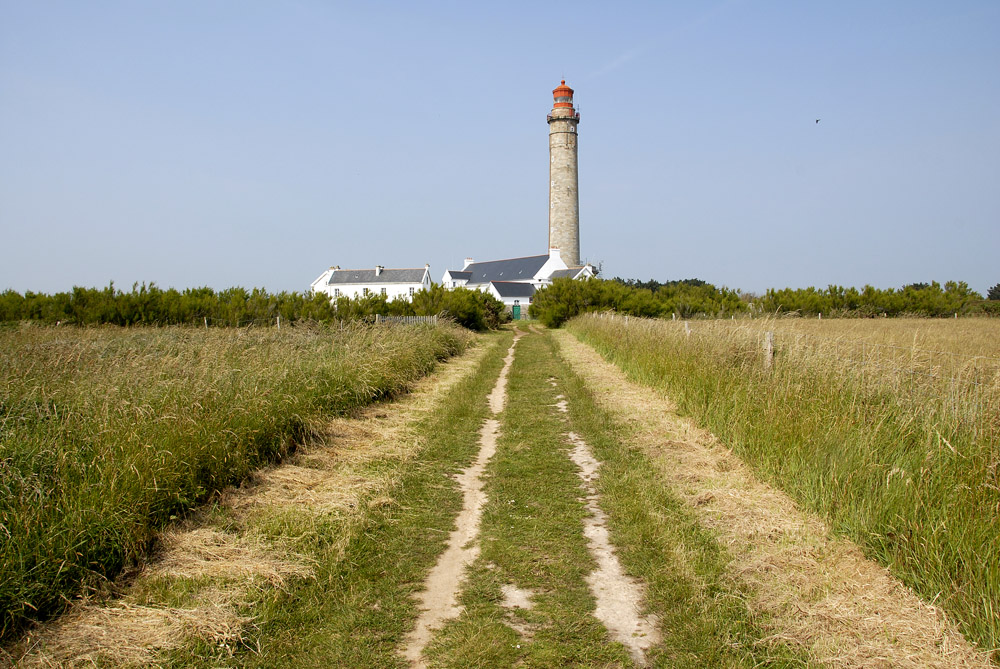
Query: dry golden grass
[962,336]
[130,635]
[921,350]
[199,552]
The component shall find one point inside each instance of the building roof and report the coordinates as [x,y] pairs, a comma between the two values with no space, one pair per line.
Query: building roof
[513,289]
[512,269]
[351,276]
[455,274]
[569,273]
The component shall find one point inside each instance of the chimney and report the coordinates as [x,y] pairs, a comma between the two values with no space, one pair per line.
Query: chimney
[468,261]
[378,269]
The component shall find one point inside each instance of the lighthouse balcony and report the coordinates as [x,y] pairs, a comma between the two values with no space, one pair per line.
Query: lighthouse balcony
[575,117]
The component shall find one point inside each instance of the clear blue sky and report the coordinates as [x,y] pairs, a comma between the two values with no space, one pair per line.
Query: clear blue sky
[231,142]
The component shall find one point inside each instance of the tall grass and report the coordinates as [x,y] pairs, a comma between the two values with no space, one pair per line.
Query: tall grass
[896,446]
[107,434]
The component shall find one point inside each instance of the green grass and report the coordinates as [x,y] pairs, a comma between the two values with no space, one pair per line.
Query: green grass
[916,484]
[705,614]
[107,434]
[532,538]
[358,608]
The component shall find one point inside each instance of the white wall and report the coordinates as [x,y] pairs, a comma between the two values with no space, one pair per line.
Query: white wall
[357,290]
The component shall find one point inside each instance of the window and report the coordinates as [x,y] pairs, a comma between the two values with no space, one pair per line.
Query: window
[412,291]
[336,292]
[383,291]
[365,292]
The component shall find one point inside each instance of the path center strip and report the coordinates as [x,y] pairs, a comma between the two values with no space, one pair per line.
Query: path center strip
[439,600]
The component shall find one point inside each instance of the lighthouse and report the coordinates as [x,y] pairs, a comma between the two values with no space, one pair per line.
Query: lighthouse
[564,195]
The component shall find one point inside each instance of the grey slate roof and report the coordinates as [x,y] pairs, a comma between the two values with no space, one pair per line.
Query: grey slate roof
[455,274]
[349,276]
[514,289]
[570,273]
[513,269]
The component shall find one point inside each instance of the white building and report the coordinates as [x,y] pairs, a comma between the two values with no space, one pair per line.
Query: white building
[358,283]
[515,296]
[513,281]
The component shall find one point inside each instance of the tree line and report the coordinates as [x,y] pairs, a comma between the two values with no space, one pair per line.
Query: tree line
[916,299]
[693,298]
[689,298]
[566,298]
[238,307]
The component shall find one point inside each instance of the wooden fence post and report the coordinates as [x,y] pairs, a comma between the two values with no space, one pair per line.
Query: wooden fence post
[206,322]
[279,322]
[687,329]
[768,350]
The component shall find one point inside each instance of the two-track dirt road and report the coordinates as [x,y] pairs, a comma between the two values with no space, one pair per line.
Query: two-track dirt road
[575,521]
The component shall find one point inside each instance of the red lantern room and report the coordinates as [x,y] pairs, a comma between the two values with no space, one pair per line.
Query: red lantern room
[563,95]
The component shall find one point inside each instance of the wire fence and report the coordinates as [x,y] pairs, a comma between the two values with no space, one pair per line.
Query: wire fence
[279,322]
[406,320]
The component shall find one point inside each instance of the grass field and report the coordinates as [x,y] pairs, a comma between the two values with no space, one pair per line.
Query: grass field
[368,563]
[106,434]
[887,428]
[329,558]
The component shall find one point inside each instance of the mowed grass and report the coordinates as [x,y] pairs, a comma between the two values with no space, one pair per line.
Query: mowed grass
[531,537]
[532,540]
[903,459]
[107,434]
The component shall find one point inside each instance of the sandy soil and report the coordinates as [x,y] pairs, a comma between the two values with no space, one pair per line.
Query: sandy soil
[619,596]
[819,590]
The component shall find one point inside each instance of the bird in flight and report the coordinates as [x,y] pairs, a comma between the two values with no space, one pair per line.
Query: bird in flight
[817,120]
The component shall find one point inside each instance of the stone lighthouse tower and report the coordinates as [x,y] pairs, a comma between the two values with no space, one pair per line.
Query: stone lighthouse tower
[564,197]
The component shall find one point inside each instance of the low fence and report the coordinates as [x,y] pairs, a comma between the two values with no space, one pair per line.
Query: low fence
[279,322]
[407,320]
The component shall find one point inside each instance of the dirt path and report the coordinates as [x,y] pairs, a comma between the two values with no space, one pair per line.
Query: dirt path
[619,596]
[819,591]
[439,599]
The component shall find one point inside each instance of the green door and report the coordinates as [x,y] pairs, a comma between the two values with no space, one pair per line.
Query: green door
[516,312]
